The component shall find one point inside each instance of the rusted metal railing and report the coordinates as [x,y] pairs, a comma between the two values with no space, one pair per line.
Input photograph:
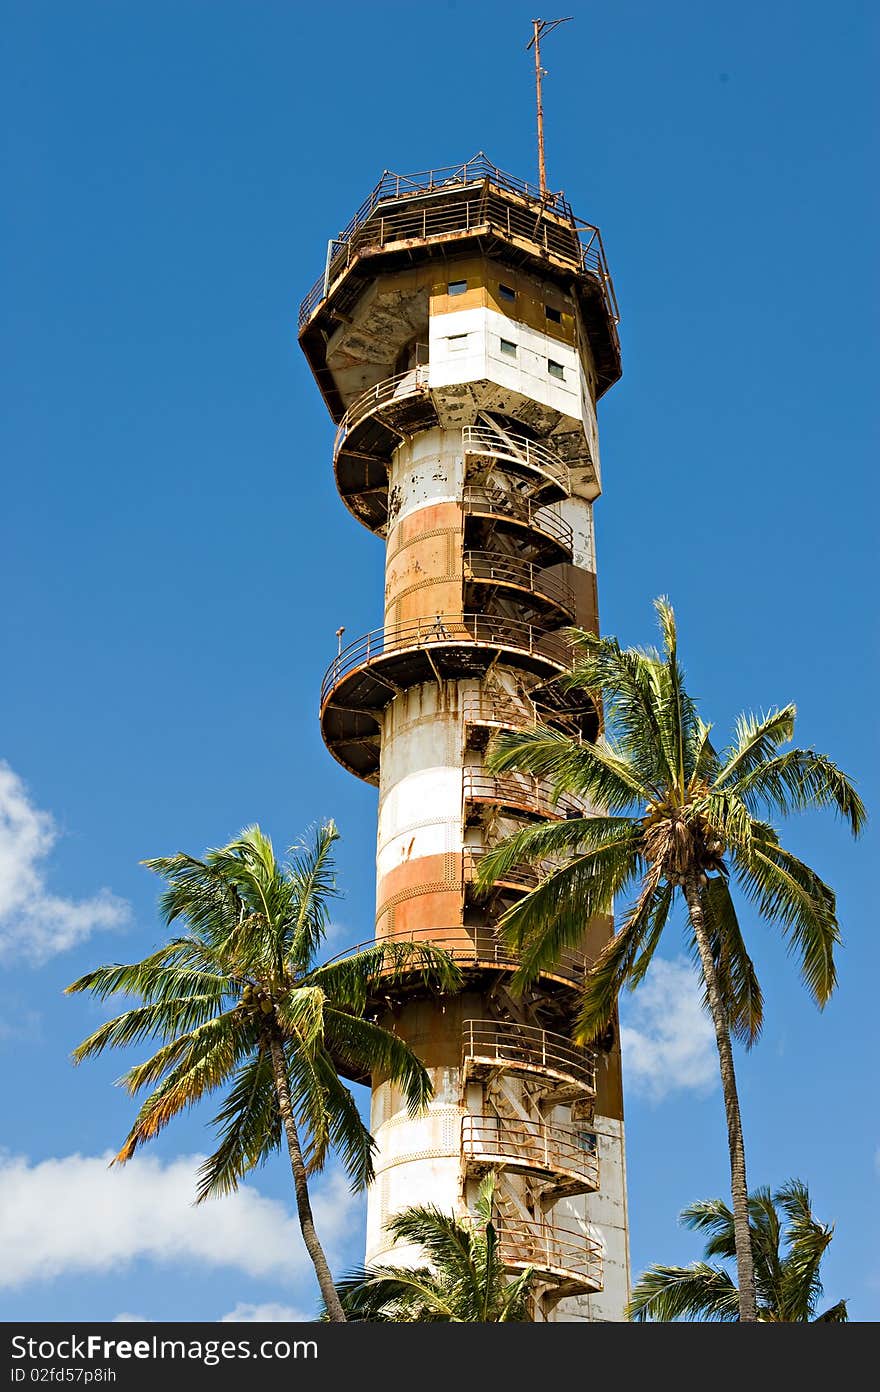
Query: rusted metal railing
[546,221]
[517,449]
[489,706]
[526,1048]
[534,1145]
[492,501]
[521,876]
[450,629]
[561,1250]
[477,945]
[415,382]
[493,567]
[520,790]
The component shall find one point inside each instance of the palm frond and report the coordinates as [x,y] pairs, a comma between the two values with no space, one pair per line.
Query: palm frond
[363,1048]
[789,893]
[160,1019]
[627,681]
[800,780]
[300,1013]
[249,1123]
[543,843]
[628,952]
[159,977]
[349,1138]
[445,1241]
[212,1057]
[788,1287]
[807,1240]
[835,1314]
[595,772]
[394,1294]
[554,916]
[757,737]
[699,1291]
[195,893]
[312,872]
[351,981]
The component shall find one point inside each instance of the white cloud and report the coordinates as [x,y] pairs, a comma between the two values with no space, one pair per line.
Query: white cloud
[270,1313]
[69,1215]
[667,1038]
[34,923]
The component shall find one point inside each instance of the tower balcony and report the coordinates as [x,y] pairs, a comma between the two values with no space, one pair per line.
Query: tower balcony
[396,407]
[522,581]
[563,1254]
[529,458]
[518,878]
[468,209]
[369,432]
[567,1071]
[492,709]
[535,522]
[567,1157]
[370,671]
[473,948]
[519,792]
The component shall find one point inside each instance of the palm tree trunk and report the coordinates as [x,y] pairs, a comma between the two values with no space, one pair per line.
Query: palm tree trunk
[745,1269]
[300,1184]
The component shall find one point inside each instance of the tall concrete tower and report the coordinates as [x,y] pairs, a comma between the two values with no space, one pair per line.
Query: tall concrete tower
[461,335]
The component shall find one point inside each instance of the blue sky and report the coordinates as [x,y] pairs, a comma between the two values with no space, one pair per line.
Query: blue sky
[175,562]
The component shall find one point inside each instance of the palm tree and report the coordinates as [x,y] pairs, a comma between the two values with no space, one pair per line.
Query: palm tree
[464,1284]
[679,819]
[788,1284]
[238,1003]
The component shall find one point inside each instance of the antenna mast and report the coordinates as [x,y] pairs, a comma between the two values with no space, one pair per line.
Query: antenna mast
[542,27]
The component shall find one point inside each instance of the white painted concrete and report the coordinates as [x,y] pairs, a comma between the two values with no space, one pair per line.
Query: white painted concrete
[482,357]
[605,1215]
[578,513]
[429,468]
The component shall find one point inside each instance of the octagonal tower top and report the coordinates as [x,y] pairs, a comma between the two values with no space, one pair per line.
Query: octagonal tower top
[447,215]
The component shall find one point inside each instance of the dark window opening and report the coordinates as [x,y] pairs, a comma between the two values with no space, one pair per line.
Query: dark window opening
[506,292]
[555,369]
[457,287]
[508,347]
[554,315]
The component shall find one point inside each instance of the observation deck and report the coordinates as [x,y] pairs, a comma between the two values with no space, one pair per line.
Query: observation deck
[562,1254]
[396,407]
[568,1072]
[565,1158]
[373,669]
[408,219]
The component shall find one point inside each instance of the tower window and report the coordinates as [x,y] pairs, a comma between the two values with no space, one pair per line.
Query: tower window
[508,347]
[556,369]
[506,292]
[456,342]
[457,287]
[554,315]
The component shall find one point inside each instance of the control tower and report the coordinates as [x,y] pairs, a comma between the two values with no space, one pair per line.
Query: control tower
[461,334]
